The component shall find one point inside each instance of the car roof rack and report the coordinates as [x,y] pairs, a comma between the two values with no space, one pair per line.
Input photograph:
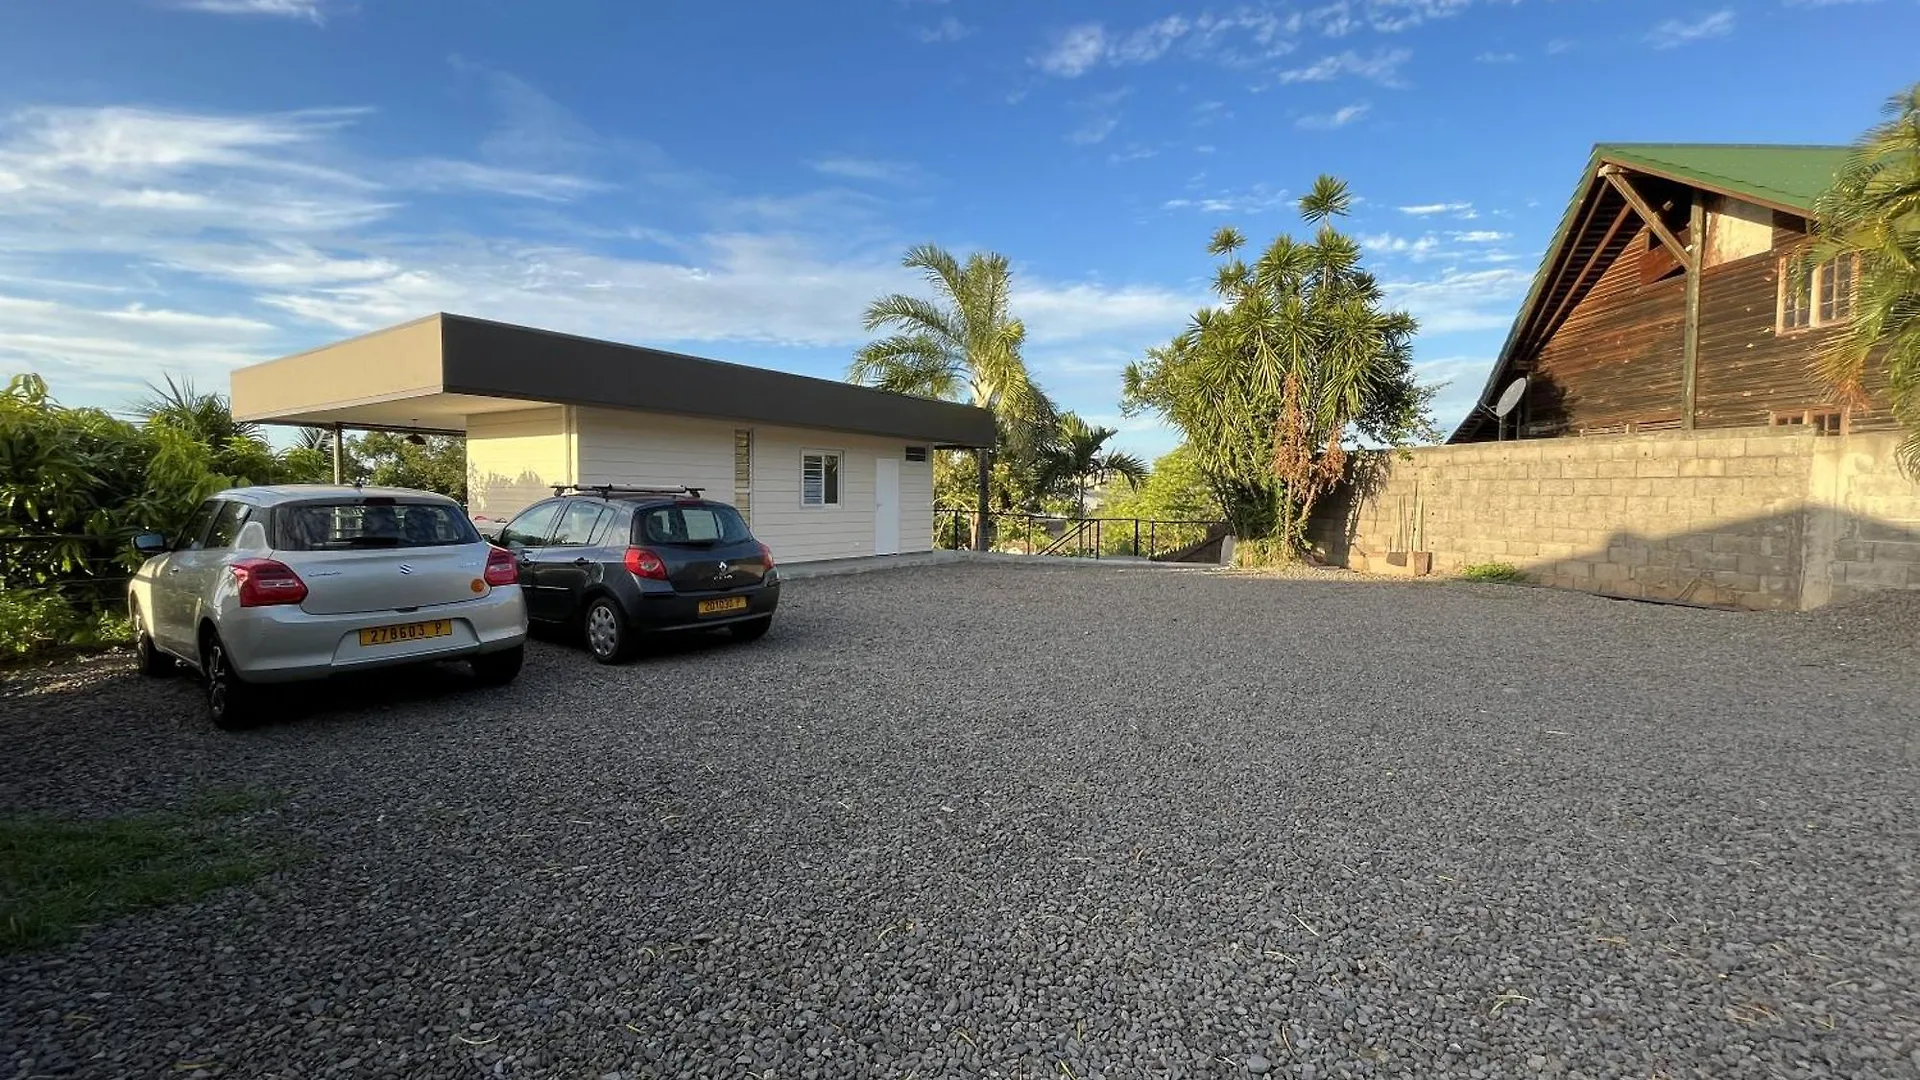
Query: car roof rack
[607,491]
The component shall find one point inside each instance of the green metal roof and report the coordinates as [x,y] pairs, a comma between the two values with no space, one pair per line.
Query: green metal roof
[1786,176]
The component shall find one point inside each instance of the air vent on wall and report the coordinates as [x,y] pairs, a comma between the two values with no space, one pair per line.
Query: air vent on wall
[916,453]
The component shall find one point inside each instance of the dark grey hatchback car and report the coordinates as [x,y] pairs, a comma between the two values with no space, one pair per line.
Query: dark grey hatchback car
[623,564]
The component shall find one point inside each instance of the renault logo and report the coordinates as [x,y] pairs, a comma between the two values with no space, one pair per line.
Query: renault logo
[723,569]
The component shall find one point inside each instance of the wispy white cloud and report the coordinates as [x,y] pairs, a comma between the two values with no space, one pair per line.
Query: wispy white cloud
[869,169]
[1338,18]
[1094,129]
[1381,66]
[1258,199]
[1237,38]
[1560,45]
[1673,33]
[1480,236]
[947,29]
[1417,248]
[1101,114]
[313,11]
[1075,52]
[1338,118]
[1133,152]
[1461,300]
[1454,209]
[136,240]
[441,174]
[1241,36]
[1496,58]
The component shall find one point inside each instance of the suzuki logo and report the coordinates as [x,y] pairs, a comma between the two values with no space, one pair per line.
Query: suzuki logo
[405,569]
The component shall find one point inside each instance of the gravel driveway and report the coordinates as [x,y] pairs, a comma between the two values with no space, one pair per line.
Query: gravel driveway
[1037,821]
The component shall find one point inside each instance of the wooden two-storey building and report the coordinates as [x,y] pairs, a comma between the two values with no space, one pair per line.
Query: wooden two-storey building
[1667,300]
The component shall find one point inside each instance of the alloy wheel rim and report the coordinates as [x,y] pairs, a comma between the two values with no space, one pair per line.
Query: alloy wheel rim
[602,631]
[217,679]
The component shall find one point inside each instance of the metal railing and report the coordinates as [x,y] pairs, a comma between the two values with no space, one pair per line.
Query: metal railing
[1061,536]
[86,572]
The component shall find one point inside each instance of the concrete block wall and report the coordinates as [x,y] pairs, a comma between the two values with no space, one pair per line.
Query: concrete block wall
[1769,518]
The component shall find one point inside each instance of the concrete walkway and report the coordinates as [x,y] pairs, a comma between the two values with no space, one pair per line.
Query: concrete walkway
[868,563]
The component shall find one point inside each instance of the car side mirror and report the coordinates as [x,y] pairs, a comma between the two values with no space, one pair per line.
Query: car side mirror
[149,543]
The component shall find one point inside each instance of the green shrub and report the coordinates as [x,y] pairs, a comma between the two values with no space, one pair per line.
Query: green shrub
[1493,571]
[33,621]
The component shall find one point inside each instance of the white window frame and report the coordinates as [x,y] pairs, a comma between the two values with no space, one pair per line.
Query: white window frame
[840,487]
[1810,288]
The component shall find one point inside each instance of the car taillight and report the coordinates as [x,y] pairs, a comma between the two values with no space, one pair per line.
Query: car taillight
[644,563]
[502,569]
[766,556]
[266,582]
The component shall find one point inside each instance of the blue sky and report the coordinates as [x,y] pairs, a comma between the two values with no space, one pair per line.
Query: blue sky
[190,185]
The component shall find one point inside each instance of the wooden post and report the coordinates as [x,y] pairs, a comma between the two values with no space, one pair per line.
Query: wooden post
[339,454]
[1690,343]
[984,455]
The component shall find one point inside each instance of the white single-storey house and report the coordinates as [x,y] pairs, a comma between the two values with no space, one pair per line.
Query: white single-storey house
[821,469]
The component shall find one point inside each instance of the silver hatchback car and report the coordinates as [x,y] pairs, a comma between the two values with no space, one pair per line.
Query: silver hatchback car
[281,584]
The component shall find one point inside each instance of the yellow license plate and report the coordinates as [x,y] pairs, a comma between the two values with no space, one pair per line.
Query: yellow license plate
[413,631]
[723,605]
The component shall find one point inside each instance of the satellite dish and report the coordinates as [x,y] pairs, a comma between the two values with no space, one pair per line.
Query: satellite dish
[1510,397]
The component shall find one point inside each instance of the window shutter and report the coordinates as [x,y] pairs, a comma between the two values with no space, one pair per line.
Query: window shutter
[813,481]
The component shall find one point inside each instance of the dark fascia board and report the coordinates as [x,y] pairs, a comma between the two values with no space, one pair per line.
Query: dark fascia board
[502,360]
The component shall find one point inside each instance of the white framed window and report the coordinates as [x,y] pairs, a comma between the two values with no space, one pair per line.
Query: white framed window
[820,477]
[1821,297]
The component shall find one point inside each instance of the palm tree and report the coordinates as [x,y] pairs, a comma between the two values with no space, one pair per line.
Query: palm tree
[1872,211]
[201,414]
[1079,459]
[963,345]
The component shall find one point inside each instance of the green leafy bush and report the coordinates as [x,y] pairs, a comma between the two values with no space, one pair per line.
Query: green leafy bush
[1493,571]
[32,621]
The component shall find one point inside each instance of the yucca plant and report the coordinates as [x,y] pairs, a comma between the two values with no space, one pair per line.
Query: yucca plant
[1299,358]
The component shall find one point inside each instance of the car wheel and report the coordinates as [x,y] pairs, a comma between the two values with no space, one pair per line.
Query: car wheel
[752,629]
[230,702]
[608,638]
[499,668]
[153,662]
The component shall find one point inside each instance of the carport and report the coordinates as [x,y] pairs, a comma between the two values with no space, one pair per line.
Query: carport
[822,469]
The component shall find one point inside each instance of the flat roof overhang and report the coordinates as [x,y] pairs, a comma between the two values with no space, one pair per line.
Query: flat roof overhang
[433,373]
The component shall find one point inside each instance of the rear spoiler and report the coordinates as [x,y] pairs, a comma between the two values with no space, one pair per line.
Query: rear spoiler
[609,490]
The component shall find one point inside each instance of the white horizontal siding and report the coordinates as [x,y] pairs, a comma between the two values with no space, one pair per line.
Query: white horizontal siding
[916,501]
[622,447]
[799,533]
[514,459]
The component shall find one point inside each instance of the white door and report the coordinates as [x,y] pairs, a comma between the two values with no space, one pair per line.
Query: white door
[886,506]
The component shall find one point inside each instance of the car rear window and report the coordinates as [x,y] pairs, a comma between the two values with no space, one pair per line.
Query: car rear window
[691,523]
[343,526]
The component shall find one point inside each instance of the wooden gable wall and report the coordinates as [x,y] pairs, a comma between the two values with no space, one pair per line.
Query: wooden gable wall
[1615,363]
[1616,358]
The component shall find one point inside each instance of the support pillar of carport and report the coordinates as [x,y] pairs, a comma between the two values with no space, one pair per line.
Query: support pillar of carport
[984,456]
[339,454]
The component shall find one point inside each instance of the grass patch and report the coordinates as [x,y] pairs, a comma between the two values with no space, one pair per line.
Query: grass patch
[1506,573]
[58,877]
